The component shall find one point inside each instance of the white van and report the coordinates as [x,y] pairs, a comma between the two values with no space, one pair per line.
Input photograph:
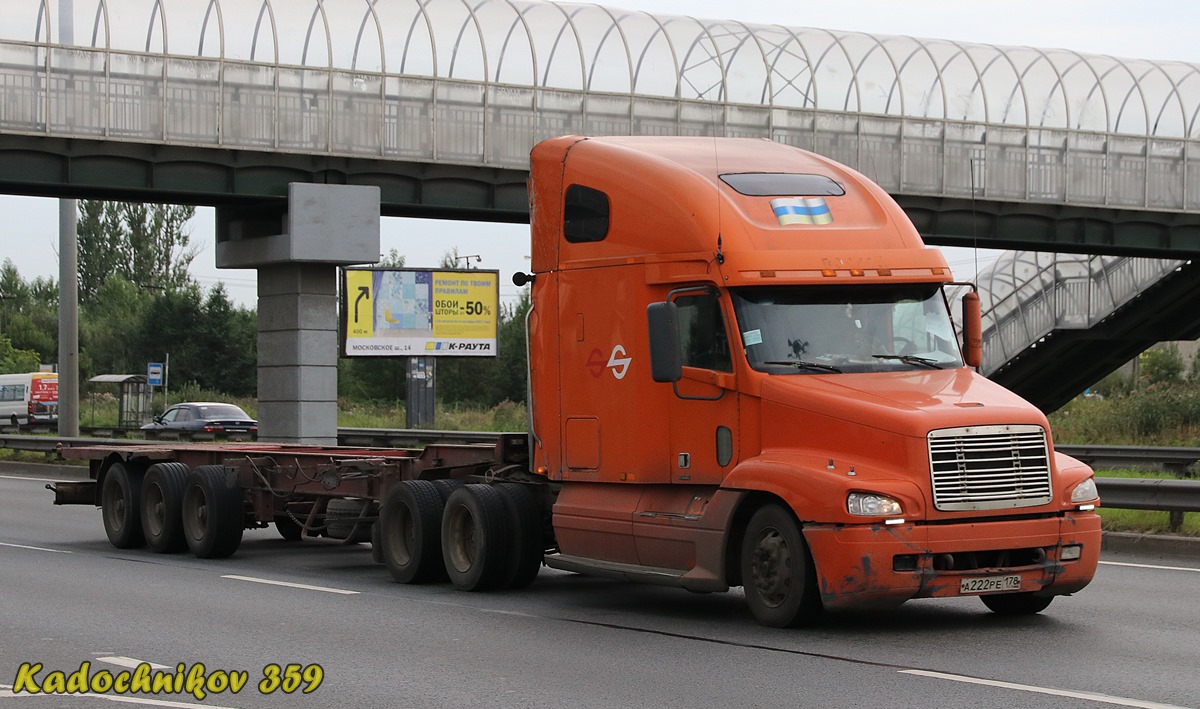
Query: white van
[29,398]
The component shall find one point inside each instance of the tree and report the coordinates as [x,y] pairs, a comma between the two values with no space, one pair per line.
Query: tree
[14,361]
[29,313]
[145,243]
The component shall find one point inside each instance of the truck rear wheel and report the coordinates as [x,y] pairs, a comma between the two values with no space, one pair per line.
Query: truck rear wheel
[476,538]
[777,570]
[213,516]
[525,518]
[120,502]
[410,532]
[162,507]
[1016,603]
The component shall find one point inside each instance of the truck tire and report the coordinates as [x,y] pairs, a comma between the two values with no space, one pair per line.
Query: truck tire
[213,514]
[341,521]
[476,538]
[777,570]
[162,507]
[1016,603]
[445,486]
[410,533]
[120,502]
[528,545]
[376,543]
[288,528]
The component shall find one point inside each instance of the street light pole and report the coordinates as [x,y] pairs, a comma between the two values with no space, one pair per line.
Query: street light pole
[68,280]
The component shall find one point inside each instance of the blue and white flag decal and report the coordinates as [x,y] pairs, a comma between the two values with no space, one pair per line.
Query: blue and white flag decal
[801,210]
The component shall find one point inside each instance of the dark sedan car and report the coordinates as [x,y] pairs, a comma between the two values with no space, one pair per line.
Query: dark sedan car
[203,417]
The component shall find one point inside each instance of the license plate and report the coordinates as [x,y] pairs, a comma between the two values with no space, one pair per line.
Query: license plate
[990,584]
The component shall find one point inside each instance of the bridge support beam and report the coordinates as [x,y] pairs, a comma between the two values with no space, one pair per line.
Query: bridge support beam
[326,226]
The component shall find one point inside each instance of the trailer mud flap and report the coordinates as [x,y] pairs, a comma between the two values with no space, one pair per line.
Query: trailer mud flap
[74,492]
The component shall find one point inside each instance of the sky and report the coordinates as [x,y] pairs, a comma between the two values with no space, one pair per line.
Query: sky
[1155,29]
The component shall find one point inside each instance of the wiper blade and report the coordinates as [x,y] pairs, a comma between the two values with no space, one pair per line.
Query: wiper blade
[801,364]
[910,359]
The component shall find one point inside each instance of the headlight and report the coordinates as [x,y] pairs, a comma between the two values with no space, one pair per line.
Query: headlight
[1085,491]
[870,504]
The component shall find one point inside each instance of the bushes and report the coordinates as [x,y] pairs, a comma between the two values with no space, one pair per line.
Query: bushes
[1166,413]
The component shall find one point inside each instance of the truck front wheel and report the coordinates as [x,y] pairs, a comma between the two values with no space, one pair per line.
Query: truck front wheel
[1016,603]
[410,532]
[120,502]
[213,515]
[777,570]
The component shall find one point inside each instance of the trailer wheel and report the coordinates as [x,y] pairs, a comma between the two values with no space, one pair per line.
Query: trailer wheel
[410,532]
[162,507]
[288,528]
[528,546]
[213,516]
[120,500]
[1016,603]
[777,570]
[341,521]
[376,543]
[476,538]
[446,486]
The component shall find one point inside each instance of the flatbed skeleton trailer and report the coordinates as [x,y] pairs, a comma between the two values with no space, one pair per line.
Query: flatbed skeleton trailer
[173,497]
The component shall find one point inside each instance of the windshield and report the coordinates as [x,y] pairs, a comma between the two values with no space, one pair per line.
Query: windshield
[823,329]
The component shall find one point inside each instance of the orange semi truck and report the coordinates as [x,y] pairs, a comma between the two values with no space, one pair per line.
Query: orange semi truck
[743,372]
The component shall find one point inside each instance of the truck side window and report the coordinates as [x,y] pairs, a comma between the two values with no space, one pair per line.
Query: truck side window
[585,214]
[702,337]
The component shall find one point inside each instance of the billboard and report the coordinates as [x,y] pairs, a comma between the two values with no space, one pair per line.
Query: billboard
[406,312]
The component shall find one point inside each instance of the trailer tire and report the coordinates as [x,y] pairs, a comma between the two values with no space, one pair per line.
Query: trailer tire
[476,538]
[341,521]
[446,486]
[376,543]
[120,502]
[213,514]
[1016,603]
[778,574]
[162,507]
[410,534]
[288,528]
[528,544]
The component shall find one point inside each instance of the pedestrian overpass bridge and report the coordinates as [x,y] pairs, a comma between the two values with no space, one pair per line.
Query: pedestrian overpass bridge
[437,102]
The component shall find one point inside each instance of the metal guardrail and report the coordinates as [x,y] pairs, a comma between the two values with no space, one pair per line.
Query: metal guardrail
[356,437]
[1171,459]
[1173,496]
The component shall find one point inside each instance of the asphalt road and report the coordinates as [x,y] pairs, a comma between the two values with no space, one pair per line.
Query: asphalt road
[67,597]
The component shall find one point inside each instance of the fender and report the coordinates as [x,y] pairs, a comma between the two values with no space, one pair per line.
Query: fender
[814,491]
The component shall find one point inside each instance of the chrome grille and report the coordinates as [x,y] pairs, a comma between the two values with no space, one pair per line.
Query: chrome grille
[989,467]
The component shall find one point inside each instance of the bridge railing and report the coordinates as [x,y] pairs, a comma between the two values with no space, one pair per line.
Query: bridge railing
[149,97]
[1048,292]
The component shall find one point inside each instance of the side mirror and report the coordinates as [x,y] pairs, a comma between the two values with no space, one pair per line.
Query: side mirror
[972,330]
[666,358]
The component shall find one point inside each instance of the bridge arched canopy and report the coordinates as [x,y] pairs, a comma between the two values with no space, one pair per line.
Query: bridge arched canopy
[594,48]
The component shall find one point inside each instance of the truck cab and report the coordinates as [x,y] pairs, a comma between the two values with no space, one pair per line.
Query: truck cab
[744,372]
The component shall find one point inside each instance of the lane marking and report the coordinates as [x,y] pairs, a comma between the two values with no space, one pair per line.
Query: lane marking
[36,480]
[131,663]
[289,584]
[1151,566]
[26,546]
[1087,696]
[6,691]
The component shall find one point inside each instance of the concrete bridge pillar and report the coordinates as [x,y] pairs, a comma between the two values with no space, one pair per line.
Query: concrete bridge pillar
[297,256]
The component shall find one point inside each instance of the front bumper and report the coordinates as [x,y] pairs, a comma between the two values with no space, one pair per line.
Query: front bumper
[887,565]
